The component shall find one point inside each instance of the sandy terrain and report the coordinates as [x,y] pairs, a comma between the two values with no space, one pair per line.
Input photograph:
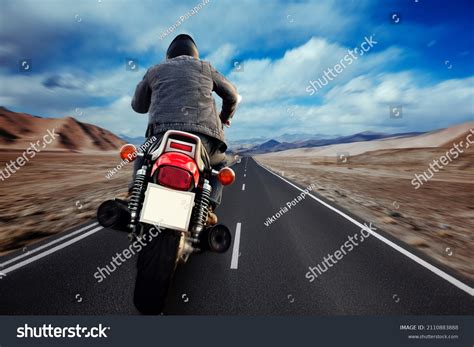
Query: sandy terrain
[437,219]
[440,138]
[19,130]
[53,192]
[60,186]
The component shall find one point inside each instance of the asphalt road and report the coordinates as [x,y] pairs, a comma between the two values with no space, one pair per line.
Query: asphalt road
[264,272]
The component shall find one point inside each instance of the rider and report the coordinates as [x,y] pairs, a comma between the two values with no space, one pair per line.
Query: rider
[177,94]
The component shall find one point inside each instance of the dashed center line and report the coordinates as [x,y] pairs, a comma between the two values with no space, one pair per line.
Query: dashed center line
[234,264]
[243,186]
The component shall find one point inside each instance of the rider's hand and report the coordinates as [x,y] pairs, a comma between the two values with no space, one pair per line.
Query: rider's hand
[227,123]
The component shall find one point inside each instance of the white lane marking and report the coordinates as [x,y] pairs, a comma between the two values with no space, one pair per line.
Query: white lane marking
[50,251]
[245,175]
[234,263]
[435,270]
[34,250]
[243,186]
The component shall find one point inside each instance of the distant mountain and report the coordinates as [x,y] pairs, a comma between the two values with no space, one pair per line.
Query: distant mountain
[269,146]
[441,138]
[299,137]
[275,146]
[363,136]
[18,130]
[246,142]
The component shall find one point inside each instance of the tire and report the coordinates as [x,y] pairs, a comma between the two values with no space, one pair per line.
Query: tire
[155,268]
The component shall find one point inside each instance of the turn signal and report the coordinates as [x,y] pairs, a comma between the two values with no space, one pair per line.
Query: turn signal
[226,176]
[128,152]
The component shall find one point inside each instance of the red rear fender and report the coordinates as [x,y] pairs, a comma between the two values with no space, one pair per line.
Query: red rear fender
[179,160]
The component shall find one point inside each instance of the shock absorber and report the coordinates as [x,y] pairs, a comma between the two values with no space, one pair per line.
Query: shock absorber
[201,208]
[136,197]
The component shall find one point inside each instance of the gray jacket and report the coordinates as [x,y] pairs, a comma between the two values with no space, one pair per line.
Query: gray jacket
[177,94]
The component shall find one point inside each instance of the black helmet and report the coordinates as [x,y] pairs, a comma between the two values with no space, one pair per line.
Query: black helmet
[182,45]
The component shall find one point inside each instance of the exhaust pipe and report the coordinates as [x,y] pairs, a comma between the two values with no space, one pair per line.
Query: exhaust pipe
[114,214]
[216,239]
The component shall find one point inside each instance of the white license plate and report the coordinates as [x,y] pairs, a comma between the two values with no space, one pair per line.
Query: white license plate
[167,207]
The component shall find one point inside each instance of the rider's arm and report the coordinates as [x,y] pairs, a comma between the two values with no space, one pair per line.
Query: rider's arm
[227,92]
[142,98]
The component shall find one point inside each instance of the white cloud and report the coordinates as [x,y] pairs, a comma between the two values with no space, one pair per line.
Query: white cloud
[363,104]
[117,117]
[111,89]
[272,89]
[138,25]
[287,77]
[221,58]
[275,99]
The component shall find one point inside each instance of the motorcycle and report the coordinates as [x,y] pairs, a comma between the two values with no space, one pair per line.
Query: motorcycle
[171,193]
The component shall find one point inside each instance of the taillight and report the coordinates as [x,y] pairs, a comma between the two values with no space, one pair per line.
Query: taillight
[175,178]
[226,176]
[128,152]
[181,146]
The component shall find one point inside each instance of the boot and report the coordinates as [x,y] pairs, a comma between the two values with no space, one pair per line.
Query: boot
[211,218]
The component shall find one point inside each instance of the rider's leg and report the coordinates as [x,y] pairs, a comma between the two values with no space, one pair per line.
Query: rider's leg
[218,160]
[138,162]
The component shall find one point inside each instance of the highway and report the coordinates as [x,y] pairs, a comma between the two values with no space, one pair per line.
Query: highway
[265,272]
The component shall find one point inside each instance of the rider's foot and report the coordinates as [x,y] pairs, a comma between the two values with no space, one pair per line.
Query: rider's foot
[211,218]
[123,196]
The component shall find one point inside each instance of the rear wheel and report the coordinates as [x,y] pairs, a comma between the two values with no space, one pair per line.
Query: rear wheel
[155,268]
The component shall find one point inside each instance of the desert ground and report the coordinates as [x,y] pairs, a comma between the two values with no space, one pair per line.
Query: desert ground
[54,192]
[437,219]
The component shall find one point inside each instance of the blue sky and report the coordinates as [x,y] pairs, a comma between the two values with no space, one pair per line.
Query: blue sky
[77,52]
